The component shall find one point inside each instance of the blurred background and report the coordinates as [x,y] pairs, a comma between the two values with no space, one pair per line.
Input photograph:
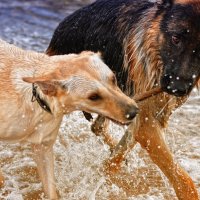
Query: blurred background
[30,23]
[79,154]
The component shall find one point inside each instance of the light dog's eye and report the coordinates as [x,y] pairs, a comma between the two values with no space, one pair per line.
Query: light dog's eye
[94,97]
[176,39]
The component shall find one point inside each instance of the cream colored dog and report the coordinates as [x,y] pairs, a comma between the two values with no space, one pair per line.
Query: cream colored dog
[37,90]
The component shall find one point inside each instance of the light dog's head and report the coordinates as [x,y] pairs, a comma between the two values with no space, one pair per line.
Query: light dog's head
[84,82]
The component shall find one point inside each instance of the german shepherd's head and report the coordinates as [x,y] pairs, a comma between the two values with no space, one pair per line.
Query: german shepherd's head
[180,48]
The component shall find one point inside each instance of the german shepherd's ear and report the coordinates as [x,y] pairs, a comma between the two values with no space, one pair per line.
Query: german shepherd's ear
[163,4]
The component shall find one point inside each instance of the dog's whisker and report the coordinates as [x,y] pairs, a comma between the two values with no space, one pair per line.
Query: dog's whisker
[163,108]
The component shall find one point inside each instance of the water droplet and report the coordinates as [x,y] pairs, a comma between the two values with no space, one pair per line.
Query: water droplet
[194,76]
[174,90]
[127,116]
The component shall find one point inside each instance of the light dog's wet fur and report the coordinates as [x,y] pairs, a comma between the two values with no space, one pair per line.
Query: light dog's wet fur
[63,84]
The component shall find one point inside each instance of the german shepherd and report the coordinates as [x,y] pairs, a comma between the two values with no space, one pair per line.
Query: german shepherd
[147,43]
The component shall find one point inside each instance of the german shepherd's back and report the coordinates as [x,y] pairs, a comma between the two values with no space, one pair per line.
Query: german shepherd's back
[103,26]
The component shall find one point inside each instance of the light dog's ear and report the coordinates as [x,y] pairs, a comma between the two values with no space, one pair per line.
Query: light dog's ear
[48,87]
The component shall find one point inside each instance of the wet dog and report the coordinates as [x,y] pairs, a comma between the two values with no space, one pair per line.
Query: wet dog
[147,44]
[37,90]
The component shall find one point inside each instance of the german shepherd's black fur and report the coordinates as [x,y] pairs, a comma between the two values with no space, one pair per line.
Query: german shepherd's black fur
[104,25]
[146,43]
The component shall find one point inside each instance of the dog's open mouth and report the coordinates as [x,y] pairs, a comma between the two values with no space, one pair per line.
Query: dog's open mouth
[118,122]
[89,117]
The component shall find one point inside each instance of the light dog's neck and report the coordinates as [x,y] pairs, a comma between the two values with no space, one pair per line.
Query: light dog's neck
[19,64]
[20,118]
[33,96]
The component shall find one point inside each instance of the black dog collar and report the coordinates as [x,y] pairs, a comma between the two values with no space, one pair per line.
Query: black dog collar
[87,116]
[43,104]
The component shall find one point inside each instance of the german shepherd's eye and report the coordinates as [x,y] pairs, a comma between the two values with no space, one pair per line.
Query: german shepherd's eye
[94,97]
[176,40]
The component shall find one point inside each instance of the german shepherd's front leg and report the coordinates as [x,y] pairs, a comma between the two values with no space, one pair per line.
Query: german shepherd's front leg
[43,156]
[100,128]
[150,138]
[149,134]
[122,148]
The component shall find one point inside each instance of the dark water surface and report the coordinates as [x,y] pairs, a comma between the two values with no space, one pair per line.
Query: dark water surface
[79,155]
[30,23]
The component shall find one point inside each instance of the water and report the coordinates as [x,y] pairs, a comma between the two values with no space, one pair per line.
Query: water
[79,154]
[30,24]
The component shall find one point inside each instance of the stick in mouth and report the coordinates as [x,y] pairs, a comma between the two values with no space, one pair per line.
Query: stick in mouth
[147,94]
[137,98]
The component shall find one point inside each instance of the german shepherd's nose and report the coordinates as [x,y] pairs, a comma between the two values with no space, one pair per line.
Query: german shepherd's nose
[176,86]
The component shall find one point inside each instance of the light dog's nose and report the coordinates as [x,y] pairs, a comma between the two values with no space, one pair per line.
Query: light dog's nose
[132,112]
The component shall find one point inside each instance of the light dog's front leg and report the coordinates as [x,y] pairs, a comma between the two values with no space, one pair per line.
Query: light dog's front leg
[44,158]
